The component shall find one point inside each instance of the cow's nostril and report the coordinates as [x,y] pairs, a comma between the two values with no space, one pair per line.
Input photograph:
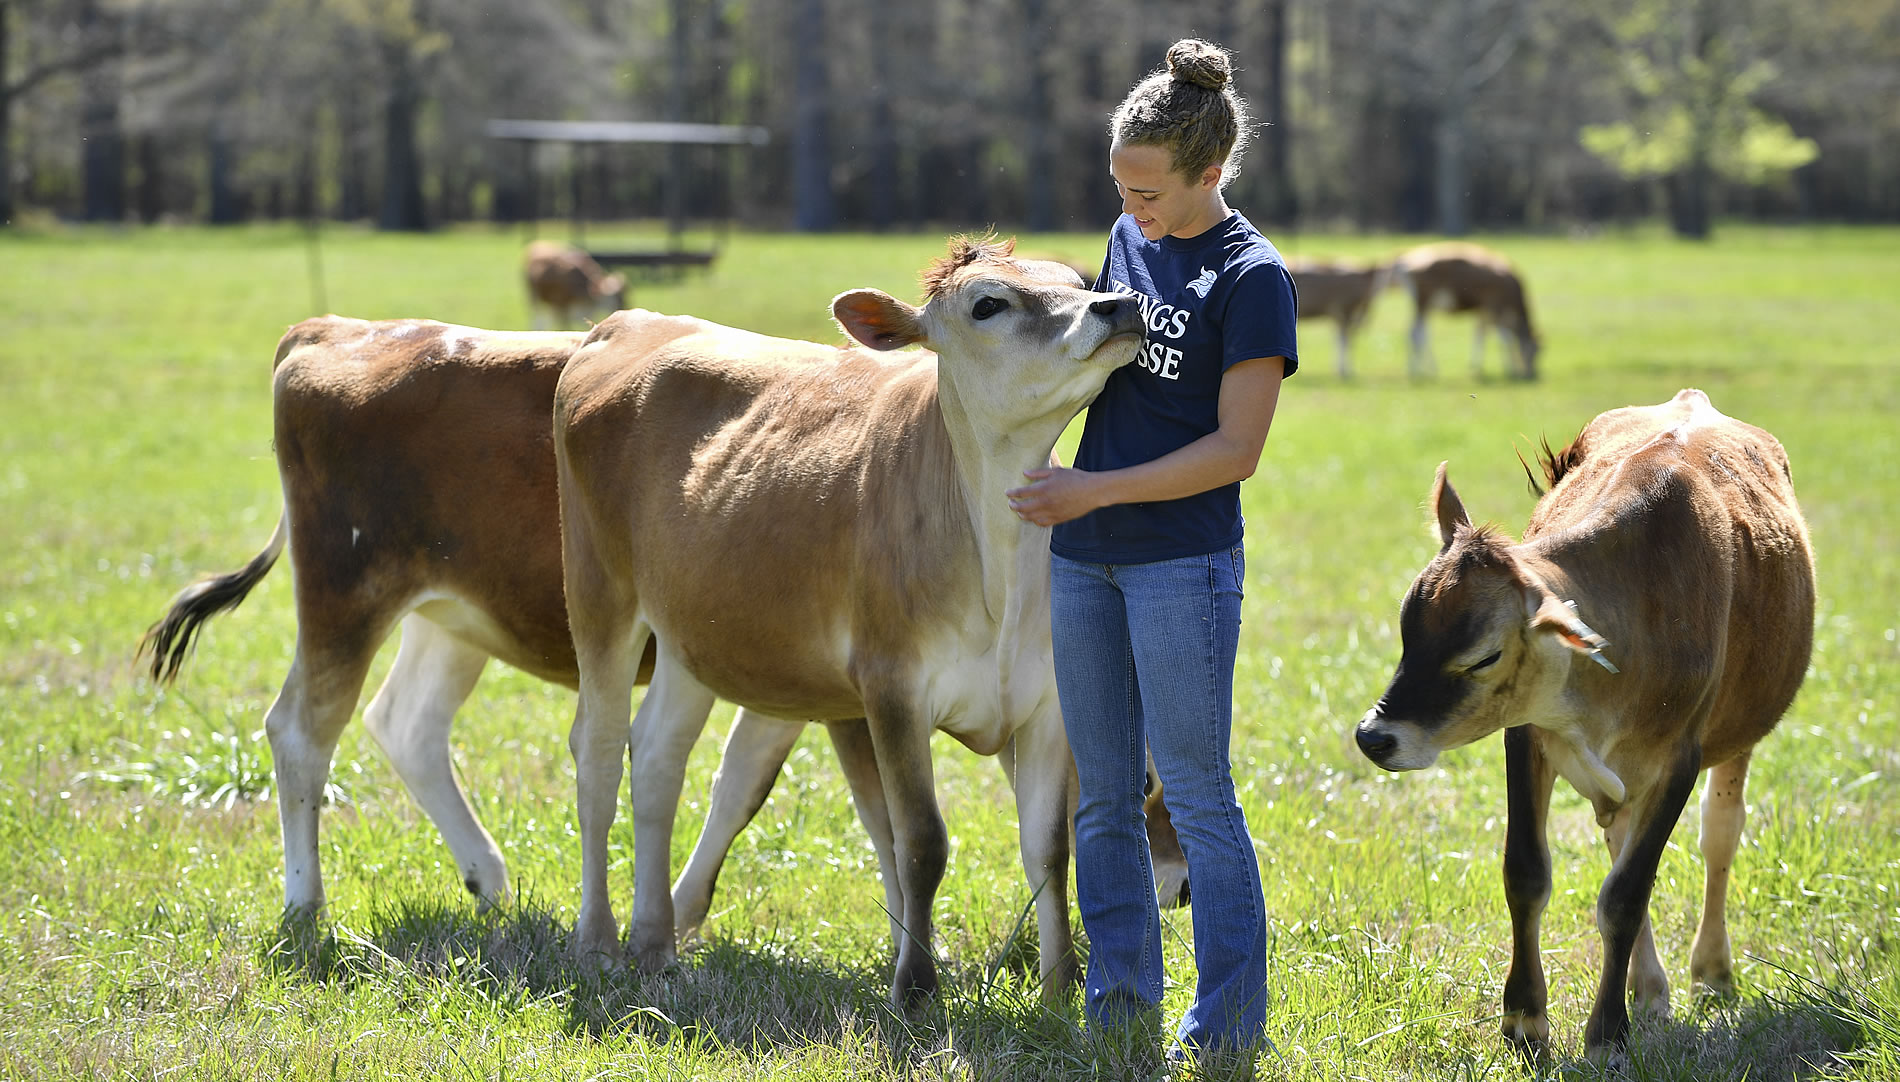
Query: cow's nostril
[1105,308]
[1375,744]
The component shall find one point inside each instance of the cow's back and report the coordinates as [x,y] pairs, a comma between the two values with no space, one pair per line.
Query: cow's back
[1693,519]
[417,459]
[821,478]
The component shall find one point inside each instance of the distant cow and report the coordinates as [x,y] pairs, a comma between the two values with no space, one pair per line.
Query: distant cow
[567,286]
[1673,531]
[1342,291]
[1455,277]
[417,464]
[821,532]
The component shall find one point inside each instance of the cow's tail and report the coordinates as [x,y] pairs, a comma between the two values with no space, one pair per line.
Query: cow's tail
[168,641]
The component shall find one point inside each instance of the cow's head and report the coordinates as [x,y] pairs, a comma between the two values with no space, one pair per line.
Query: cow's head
[1017,340]
[1484,644]
[610,295]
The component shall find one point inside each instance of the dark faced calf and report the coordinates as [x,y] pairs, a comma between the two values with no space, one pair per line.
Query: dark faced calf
[1673,530]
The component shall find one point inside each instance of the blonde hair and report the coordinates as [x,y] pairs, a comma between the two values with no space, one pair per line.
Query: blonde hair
[1190,108]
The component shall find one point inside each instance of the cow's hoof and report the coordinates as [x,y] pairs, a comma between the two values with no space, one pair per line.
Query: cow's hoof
[1172,891]
[1528,1033]
[650,960]
[597,943]
[1713,983]
[1609,1059]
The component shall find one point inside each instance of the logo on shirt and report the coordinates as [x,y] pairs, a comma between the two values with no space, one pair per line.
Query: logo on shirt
[1165,321]
[1201,285]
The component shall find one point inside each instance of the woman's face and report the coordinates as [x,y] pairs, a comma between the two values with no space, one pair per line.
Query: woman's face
[1162,201]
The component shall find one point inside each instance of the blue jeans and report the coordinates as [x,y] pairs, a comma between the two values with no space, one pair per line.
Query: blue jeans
[1144,659]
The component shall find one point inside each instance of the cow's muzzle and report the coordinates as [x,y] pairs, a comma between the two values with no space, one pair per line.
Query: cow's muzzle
[1386,743]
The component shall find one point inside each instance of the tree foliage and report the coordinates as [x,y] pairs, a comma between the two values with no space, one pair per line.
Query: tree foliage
[1414,114]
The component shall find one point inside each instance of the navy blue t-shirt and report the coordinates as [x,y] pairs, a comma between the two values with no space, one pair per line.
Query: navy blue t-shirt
[1211,301]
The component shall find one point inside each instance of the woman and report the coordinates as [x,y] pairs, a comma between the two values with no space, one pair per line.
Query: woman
[1146,555]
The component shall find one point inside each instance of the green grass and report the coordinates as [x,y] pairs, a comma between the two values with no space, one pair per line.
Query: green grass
[139,864]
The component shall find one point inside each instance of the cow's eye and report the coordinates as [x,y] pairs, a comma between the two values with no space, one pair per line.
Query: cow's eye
[1487,662]
[988,306]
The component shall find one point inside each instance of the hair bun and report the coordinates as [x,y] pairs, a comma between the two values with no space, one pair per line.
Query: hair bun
[1206,65]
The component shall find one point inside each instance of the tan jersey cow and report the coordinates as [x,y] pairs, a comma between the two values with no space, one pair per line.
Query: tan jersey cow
[566,286]
[1341,291]
[418,473]
[820,532]
[1655,621]
[1458,277]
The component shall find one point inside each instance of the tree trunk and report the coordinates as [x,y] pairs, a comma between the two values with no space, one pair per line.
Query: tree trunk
[1038,166]
[224,201]
[682,45]
[101,134]
[6,118]
[1453,177]
[882,194]
[402,164]
[1283,203]
[811,149]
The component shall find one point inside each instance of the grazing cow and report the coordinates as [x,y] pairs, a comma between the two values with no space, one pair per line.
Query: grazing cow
[820,532]
[1455,277]
[1343,291]
[1673,531]
[417,464]
[567,286]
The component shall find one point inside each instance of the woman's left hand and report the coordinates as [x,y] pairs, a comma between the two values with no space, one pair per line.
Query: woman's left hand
[1054,494]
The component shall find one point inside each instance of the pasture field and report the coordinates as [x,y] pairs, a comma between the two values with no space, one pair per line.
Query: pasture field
[139,857]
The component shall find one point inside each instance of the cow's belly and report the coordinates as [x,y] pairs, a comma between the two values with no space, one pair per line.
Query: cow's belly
[549,658]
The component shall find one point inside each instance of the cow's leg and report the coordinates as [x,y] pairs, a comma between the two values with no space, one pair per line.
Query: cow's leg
[858,760]
[303,724]
[1724,810]
[1420,360]
[410,718]
[920,844]
[671,717]
[1528,778]
[609,664]
[1477,347]
[1623,903]
[1045,785]
[1345,357]
[1164,845]
[1648,983]
[754,752]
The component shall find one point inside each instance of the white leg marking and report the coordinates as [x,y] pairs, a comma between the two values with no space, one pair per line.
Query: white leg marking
[1724,812]
[410,717]
[755,751]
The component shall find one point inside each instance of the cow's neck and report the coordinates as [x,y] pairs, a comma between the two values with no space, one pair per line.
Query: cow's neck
[989,463]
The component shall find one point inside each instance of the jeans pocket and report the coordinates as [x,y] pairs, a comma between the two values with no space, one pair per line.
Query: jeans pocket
[1238,559]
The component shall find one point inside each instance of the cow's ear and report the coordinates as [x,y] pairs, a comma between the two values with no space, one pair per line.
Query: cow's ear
[1447,508]
[877,319]
[1553,616]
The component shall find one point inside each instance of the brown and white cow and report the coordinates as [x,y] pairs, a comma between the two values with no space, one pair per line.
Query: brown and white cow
[820,532]
[566,286]
[417,465]
[1673,531]
[1341,291]
[1460,277]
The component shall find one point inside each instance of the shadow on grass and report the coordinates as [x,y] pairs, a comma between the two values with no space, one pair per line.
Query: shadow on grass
[766,1000]
[759,999]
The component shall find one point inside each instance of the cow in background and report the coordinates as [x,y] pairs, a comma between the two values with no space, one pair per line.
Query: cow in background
[1459,277]
[1655,621]
[1342,291]
[566,286]
[820,532]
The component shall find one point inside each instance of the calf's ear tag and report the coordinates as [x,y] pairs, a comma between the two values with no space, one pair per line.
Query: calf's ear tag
[1580,638]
